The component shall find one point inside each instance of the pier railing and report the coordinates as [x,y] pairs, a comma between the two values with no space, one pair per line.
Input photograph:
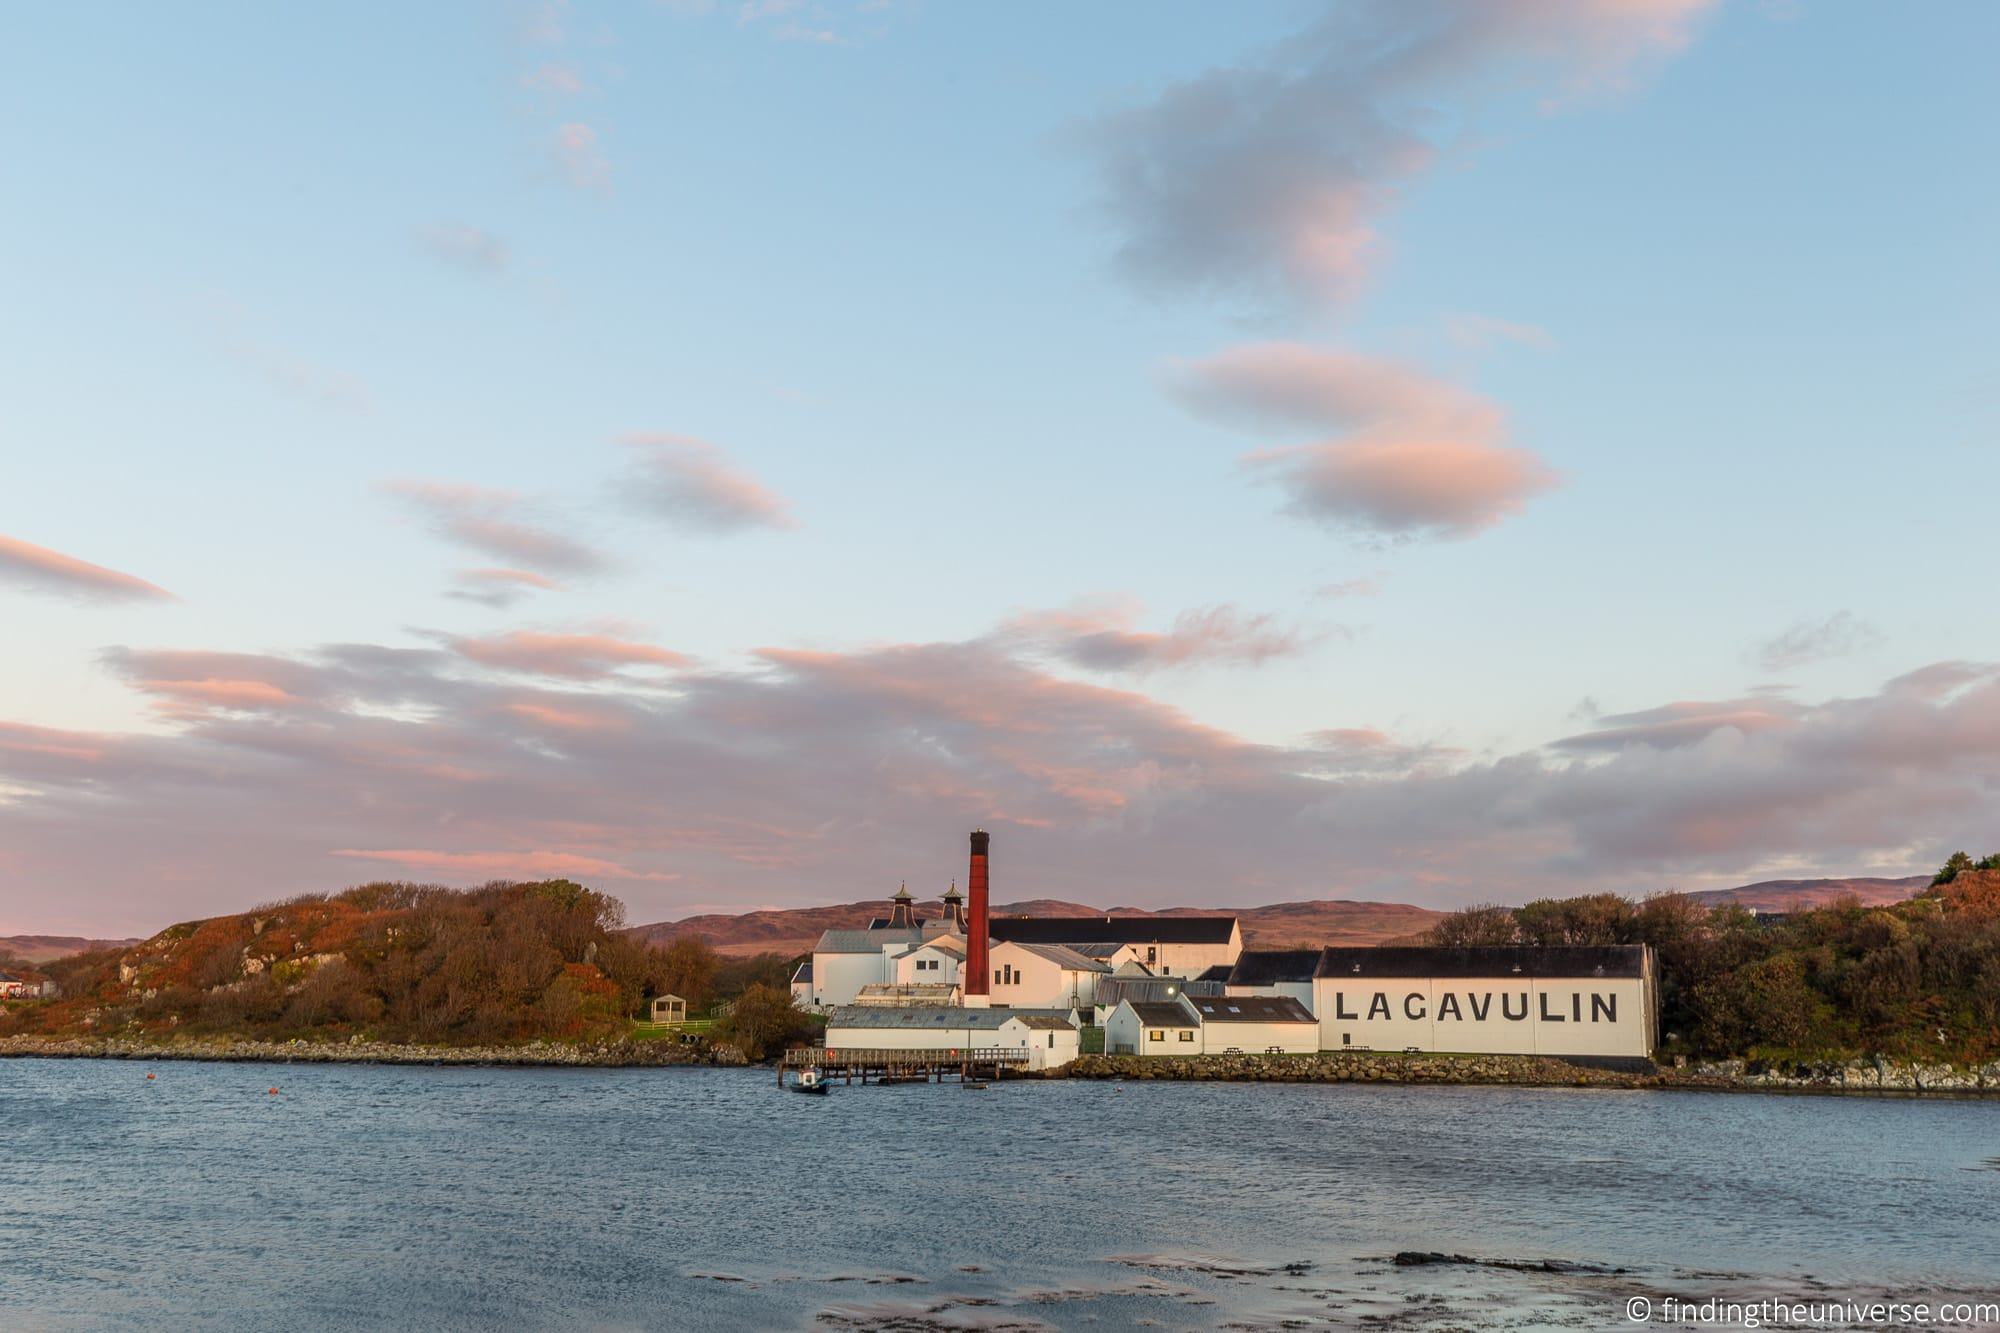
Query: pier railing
[853,1064]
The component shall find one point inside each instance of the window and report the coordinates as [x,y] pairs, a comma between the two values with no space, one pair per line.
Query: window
[1052,1041]
[1152,954]
[1347,1039]
[1156,1035]
[1187,1034]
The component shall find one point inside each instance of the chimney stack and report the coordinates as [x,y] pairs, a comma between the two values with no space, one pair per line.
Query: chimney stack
[978,957]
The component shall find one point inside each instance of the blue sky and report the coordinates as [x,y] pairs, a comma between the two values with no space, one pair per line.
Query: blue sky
[1659,379]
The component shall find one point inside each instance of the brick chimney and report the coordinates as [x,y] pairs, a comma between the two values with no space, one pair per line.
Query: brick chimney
[978,957]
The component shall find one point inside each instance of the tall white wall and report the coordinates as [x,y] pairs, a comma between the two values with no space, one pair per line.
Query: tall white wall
[1039,982]
[1608,1016]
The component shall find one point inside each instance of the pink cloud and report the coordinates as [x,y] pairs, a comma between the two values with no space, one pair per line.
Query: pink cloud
[500,587]
[1102,637]
[816,768]
[554,77]
[496,523]
[1417,457]
[582,656]
[690,483]
[39,569]
[1268,174]
[579,158]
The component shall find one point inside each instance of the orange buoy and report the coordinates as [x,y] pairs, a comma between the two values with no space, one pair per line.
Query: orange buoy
[271,1092]
[152,1076]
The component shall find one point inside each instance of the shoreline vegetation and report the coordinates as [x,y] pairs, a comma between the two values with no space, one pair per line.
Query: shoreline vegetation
[1896,998]
[1875,1076]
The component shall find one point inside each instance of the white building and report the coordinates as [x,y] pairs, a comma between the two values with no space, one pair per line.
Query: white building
[935,962]
[1153,1027]
[1044,976]
[1275,972]
[1049,1039]
[1212,1025]
[1599,1002]
[1181,946]
[1254,1025]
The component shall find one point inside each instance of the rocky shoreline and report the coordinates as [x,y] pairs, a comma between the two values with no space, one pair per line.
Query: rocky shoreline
[1874,1076]
[602,1055]
[1877,1076]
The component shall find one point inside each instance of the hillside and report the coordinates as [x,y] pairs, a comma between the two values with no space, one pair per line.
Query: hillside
[1278,926]
[1796,895]
[48,948]
[1274,926]
[393,962]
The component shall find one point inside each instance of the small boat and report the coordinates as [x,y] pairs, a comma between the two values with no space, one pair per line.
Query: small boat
[973,1084]
[808,1081]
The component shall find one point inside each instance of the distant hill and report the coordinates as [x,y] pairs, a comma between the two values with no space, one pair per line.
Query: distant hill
[1794,895]
[1279,926]
[47,948]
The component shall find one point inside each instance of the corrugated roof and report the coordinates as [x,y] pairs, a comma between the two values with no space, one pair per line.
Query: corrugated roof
[1267,967]
[1162,1014]
[1501,962]
[1123,929]
[940,1017]
[1062,956]
[866,941]
[1251,1009]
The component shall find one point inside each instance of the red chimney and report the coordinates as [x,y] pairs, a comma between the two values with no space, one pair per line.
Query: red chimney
[978,962]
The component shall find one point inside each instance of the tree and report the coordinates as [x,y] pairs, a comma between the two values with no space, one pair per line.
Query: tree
[1473,927]
[687,968]
[764,1022]
[1948,872]
[1600,918]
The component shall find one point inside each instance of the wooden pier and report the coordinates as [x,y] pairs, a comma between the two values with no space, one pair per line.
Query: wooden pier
[856,1065]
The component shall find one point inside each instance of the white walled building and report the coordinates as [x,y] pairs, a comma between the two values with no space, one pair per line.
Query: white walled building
[935,962]
[1600,1002]
[1212,1025]
[1181,946]
[1152,1027]
[1049,1039]
[1254,1025]
[1044,976]
[846,960]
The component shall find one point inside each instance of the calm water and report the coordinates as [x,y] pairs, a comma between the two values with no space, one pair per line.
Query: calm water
[706,1199]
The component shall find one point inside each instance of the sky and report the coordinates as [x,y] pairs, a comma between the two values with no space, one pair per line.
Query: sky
[1435,451]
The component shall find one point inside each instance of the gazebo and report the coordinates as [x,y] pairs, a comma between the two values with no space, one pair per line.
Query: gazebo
[669,1009]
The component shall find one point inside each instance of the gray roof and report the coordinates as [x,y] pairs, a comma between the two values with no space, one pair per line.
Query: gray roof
[1164,1014]
[1497,961]
[947,944]
[942,1017]
[1097,948]
[1063,956]
[1268,967]
[1130,929]
[866,941]
[1251,1009]
[804,972]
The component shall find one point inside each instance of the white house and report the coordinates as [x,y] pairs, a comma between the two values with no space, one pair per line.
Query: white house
[846,960]
[1600,1002]
[1044,976]
[1181,946]
[1152,1027]
[1211,1025]
[934,962]
[1049,1039]
[1254,1025]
